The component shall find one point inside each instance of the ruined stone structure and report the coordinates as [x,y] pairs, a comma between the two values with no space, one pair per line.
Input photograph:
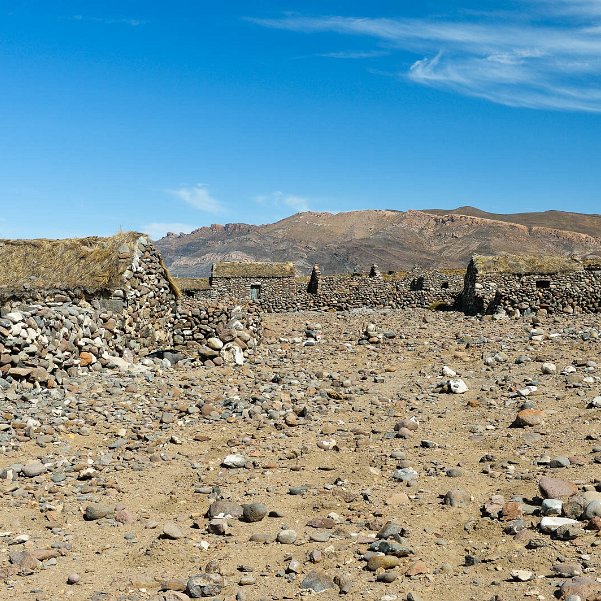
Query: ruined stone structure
[251,281]
[274,288]
[85,303]
[523,283]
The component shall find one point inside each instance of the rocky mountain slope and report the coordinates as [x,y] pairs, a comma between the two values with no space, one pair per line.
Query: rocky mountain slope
[395,240]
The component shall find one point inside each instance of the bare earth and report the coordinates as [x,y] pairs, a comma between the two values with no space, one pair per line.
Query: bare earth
[148,447]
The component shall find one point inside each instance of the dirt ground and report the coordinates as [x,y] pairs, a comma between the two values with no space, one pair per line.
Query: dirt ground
[150,446]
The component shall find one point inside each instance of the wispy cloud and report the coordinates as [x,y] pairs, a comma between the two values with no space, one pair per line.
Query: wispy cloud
[350,54]
[279,200]
[108,20]
[158,230]
[199,197]
[546,56]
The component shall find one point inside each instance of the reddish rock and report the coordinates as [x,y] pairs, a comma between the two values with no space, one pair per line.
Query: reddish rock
[86,359]
[416,568]
[512,511]
[528,418]
[124,516]
[594,524]
[325,523]
[556,488]
[586,588]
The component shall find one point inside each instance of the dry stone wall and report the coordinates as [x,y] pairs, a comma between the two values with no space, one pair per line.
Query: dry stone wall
[47,341]
[49,335]
[570,292]
[217,333]
[341,292]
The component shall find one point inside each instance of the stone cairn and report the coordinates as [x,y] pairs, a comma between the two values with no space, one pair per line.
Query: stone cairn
[374,272]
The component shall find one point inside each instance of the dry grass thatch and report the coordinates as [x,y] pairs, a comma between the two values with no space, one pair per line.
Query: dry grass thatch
[525,264]
[192,283]
[238,269]
[89,263]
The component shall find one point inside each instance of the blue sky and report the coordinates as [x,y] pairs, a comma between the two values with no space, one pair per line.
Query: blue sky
[158,116]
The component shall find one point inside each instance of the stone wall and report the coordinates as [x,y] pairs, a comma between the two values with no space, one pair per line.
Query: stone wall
[150,302]
[49,335]
[569,292]
[46,335]
[215,331]
[342,292]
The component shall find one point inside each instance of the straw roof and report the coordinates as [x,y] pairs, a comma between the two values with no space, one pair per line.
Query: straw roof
[87,263]
[238,269]
[525,264]
[192,283]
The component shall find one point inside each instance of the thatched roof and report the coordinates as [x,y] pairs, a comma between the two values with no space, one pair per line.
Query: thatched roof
[192,283]
[87,263]
[525,264]
[239,269]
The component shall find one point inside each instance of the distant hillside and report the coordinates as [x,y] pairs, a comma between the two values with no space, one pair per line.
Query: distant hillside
[560,220]
[395,240]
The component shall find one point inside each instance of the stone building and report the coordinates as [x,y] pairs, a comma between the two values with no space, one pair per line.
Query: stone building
[77,302]
[532,283]
[252,280]
[68,305]
[273,287]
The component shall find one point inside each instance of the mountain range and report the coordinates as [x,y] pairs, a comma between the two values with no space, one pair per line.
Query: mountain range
[394,240]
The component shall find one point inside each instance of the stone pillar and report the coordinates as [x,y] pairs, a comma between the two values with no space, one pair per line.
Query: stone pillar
[314,280]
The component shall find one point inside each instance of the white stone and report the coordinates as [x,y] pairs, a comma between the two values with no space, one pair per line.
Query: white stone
[457,386]
[551,507]
[326,444]
[232,353]
[448,372]
[548,368]
[15,316]
[551,524]
[596,402]
[215,344]
[234,460]
[522,575]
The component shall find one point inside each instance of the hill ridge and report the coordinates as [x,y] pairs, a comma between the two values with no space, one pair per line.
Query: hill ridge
[396,240]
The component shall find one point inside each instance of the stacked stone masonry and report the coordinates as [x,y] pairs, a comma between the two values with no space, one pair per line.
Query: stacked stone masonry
[47,335]
[340,292]
[567,291]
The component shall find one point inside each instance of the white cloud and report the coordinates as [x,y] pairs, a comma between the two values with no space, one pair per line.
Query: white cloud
[547,55]
[158,230]
[350,54]
[198,196]
[108,20]
[278,200]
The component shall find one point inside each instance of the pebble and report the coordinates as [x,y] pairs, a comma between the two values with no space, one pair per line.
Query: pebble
[254,512]
[317,582]
[96,511]
[555,488]
[172,531]
[286,537]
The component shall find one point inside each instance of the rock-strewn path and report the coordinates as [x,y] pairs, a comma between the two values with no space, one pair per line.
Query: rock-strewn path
[427,456]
